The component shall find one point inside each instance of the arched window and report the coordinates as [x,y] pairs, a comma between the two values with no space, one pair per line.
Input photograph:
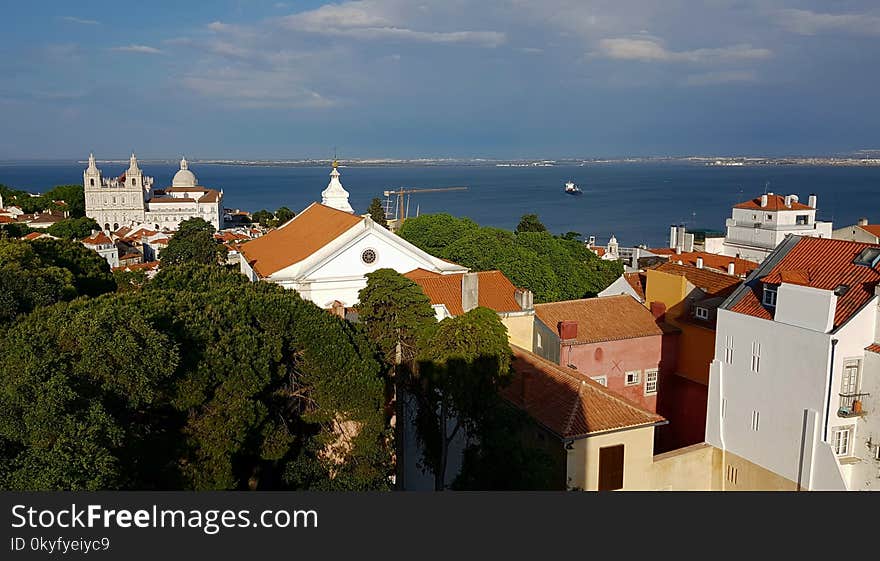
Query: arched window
[157,227]
[133,181]
[115,226]
[106,226]
[92,182]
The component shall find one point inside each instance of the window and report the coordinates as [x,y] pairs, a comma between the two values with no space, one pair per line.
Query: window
[756,419]
[728,349]
[600,380]
[869,257]
[611,468]
[92,182]
[756,356]
[802,219]
[723,407]
[769,295]
[701,313]
[632,378]
[651,381]
[877,452]
[368,256]
[769,217]
[732,474]
[841,441]
[849,383]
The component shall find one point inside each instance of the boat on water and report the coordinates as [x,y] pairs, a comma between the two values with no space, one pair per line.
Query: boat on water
[572,189]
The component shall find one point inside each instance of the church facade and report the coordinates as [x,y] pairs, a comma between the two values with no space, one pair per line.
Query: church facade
[130,200]
[326,251]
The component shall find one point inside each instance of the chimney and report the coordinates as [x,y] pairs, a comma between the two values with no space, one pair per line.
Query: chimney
[678,250]
[524,298]
[731,268]
[763,200]
[863,221]
[672,236]
[811,202]
[658,310]
[567,330]
[94,231]
[788,201]
[699,262]
[470,291]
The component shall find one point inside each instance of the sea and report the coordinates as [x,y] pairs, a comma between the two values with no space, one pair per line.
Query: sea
[636,202]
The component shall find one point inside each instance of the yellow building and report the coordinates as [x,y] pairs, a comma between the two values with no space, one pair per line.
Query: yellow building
[687,297]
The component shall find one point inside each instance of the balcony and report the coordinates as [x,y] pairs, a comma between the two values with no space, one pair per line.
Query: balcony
[851,405]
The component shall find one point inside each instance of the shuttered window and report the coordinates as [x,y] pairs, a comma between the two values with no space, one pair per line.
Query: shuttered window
[611,468]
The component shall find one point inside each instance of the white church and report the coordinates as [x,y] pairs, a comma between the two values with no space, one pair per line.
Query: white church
[325,251]
[130,200]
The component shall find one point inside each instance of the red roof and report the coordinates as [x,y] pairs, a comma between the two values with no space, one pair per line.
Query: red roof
[494,290]
[710,282]
[6,220]
[875,348]
[608,318]
[873,229]
[637,282]
[741,267]
[819,263]
[774,203]
[98,238]
[33,236]
[568,403]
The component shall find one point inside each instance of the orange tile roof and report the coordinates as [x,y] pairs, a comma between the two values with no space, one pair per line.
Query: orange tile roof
[568,403]
[711,282]
[33,236]
[875,348]
[873,229]
[212,196]
[138,266]
[300,237]
[637,282]
[6,220]
[609,318]
[420,273]
[774,203]
[741,267]
[98,238]
[819,263]
[495,291]
[171,200]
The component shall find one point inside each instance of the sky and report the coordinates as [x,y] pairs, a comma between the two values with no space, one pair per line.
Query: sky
[438,78]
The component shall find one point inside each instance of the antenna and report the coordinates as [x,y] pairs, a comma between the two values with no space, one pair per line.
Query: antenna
[766,186]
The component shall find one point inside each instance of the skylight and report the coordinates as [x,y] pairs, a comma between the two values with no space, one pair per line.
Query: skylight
[868,257]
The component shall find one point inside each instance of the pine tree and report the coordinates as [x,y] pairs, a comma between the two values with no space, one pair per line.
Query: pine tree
[377,213]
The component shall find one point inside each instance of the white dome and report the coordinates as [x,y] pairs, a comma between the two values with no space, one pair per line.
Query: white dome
[184,177]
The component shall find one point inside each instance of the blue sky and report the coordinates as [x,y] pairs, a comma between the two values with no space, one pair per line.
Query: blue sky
[450,78]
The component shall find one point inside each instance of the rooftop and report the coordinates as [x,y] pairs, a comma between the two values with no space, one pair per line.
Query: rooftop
[711,282]
[568,403]
[494,290]
[741,267]
[637,282]
[609,318]
[297,239]
[774,203]
[98,238]
[820,263]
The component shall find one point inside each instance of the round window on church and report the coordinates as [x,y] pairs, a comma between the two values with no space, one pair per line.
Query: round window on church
[368,256]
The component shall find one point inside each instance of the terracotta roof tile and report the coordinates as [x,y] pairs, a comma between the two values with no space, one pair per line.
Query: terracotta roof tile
[609,318]
[33,236]
[98,238]
[819,263]
[6,220]
[495,291]
[875,348]
[774,202]
[711,282]
[741,267]
[873,229]
[637,282]
[297,239]
[568,403]
[171,200]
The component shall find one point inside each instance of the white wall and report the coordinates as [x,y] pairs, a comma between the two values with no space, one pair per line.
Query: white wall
[620,286]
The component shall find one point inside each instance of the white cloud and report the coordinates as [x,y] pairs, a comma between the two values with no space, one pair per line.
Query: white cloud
[81,21]
[365,20]
[806,22]
[721,77]
[649,49]
[145,49]
[256,89]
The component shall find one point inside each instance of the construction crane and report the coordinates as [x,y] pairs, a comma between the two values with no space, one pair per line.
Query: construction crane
[402,205]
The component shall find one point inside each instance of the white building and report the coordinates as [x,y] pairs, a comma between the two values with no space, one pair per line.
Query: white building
[861,231]
[794,388]
[130,200]
[757,226]
[325,251]
[101,244]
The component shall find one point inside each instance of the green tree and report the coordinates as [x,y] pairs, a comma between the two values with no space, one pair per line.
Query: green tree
[434,232]
[233,387]
[530,223]
[73,228]
[262,217]
[91,272]
[571,236]
[193,243]
[73,196]
[14,230]
[460,368]
[377,212]
[283,215]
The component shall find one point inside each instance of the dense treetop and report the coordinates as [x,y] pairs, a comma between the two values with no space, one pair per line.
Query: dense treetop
[72,195]
[553,268]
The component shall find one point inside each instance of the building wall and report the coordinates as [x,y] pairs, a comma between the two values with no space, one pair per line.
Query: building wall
[520,328]
[613,359]
[683,403]
[664,287]
[854,234]
[583,461]
[620,286]
[546,341]
[692,468]
[790,384]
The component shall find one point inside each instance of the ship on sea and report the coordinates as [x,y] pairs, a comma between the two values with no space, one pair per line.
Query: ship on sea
[572,189]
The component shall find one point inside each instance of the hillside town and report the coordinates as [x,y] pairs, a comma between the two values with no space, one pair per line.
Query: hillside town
[743,361]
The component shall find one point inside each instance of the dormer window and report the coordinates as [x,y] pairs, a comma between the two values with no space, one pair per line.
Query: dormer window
[869,257]
[701,313]
[770,295]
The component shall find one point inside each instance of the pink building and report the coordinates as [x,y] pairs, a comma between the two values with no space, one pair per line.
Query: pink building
[614,340]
